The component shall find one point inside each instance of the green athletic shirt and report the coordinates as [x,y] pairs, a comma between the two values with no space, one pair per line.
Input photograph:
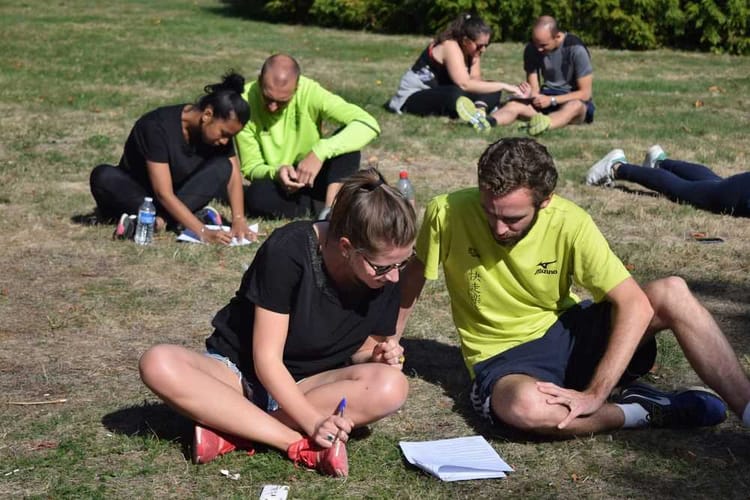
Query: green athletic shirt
[502,296]
[270,140]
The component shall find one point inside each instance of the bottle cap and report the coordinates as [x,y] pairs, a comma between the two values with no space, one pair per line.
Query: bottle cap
[148,198]
[403,174]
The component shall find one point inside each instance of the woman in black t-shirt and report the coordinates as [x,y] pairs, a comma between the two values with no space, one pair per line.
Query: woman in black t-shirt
[309,331]
[183,157]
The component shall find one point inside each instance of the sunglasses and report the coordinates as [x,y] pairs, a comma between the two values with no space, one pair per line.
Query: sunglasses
[383,270]
[481,46]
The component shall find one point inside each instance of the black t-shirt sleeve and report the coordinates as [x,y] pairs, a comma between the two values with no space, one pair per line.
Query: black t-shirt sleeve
[530,59]
[275,274]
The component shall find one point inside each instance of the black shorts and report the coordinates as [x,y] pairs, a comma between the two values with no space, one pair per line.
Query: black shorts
[567,355]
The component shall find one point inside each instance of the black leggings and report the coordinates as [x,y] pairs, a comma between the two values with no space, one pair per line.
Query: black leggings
[441,101]
[117,192]
[695,184]
[267,199]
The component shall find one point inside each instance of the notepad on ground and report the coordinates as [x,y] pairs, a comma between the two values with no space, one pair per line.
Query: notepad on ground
[190,237]
[456,459]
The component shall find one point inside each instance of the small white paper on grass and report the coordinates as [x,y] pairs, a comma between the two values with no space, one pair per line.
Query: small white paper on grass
[188,236]
[228,474]
[274,492]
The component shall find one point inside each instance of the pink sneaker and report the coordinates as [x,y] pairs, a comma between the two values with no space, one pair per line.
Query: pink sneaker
[332,461]
[209,444]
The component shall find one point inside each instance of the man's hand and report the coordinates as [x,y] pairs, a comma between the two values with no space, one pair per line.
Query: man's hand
[542,101]
[308,169]
[580,404]
[288,179]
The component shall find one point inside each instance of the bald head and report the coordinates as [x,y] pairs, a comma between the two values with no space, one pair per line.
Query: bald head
[278,81]
[545,35]
[548,24]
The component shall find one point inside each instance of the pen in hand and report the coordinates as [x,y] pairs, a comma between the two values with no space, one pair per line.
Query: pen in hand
[340,413]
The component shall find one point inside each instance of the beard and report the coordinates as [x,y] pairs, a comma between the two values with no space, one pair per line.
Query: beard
[512,239]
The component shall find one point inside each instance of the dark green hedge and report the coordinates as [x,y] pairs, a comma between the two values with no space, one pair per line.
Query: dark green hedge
[714,25]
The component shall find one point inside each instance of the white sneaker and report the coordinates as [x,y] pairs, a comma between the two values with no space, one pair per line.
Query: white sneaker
[601,172]
[655,153]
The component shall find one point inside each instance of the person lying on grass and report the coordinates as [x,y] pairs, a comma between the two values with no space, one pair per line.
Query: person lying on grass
[183,157]
[542,360]
[312,323]
[678,180]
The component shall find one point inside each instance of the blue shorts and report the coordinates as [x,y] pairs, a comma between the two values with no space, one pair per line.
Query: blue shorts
[567,355]
[590,108]
[252,388]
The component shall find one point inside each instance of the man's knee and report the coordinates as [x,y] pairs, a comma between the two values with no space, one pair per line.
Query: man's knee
[667,290]
[575,110]
[670,297]
[524,408]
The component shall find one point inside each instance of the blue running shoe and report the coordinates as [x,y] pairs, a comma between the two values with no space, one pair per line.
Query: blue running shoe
[693,407]
[209,215]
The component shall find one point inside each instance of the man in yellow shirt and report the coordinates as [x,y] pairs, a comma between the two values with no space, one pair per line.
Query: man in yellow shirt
[293,167]
[540,359]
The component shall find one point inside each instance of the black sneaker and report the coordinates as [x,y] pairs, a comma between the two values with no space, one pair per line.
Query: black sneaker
[693,407]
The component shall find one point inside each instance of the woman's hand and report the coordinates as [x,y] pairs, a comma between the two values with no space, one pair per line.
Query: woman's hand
[215,236]
[389,352]
[241,230]
[330,428]
[524,90]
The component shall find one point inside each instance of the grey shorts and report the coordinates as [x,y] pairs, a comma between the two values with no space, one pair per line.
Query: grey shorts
[252,388]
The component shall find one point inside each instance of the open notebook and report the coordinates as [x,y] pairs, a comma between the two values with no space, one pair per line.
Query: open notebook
[456,459]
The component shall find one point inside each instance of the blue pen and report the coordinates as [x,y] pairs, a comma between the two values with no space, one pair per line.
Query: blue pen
[340,413]
[340,408]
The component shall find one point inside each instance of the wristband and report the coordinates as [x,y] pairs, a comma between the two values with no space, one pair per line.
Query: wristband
[553,100]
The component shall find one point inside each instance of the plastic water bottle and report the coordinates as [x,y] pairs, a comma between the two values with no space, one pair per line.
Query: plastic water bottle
[144,231]
[404,186]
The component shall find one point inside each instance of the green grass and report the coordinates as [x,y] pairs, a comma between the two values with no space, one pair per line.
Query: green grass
[77,309]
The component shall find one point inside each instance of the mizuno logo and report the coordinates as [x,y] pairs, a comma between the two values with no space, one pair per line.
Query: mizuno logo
[544,267]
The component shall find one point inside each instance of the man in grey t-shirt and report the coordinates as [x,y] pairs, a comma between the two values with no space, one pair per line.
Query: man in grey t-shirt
[559,80]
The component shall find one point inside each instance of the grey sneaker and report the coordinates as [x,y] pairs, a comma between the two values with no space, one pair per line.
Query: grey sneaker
[468,112]
[601,172]
[654,154]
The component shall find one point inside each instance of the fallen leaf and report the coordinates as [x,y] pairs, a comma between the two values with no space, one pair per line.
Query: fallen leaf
[716,89]
[43,445]
[698,103]
[629,267]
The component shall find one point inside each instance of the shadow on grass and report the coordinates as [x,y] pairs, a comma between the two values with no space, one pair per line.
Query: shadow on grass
[90,219]
[442,364]
[713,462]
[152,419]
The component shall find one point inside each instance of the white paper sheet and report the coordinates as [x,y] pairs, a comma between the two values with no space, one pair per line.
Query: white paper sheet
[456,459]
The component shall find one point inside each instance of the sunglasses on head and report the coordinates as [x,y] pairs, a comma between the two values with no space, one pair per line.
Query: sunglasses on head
[383,270]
